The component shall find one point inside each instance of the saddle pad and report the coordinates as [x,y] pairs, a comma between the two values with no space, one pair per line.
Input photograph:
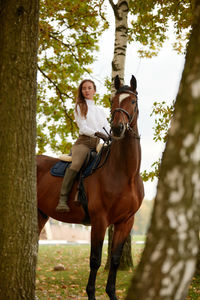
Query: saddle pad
[59,168]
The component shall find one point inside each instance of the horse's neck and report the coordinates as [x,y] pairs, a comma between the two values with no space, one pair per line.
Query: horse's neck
[126,155]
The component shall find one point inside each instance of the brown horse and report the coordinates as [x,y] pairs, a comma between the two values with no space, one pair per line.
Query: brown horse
[114,191]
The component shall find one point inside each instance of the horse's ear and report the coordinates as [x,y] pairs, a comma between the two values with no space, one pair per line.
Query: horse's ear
[117,82]
[133,83]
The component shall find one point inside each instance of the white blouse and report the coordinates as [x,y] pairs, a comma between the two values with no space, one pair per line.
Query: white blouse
[95,119]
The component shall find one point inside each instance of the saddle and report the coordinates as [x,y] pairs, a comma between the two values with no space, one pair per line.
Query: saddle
[90,165]
[88,168]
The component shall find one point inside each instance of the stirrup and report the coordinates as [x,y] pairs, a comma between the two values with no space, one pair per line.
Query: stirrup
[76,199]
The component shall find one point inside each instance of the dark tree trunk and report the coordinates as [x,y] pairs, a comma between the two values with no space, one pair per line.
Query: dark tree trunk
[197,272]
[126,261]
[169,259]
[18,214]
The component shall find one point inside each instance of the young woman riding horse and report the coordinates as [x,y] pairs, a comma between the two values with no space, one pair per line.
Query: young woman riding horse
[114,192]
[90,119]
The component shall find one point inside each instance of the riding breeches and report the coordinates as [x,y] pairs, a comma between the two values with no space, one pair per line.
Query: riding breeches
[80,150]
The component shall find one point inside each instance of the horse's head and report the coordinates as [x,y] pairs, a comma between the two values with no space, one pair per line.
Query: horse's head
[124,108]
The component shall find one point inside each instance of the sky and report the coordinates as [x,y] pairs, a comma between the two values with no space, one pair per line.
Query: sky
[158,80]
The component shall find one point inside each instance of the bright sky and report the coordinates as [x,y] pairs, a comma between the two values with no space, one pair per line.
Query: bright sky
[158,80]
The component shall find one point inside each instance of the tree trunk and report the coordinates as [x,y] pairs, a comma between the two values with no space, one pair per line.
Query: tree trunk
[18,214]
[120,10]
[197,272]
[169,259]
[126,261]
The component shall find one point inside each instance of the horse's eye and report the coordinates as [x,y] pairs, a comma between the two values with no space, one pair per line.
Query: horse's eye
[133,101]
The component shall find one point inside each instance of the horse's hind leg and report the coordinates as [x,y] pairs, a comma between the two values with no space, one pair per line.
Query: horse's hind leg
[97,236]
[42,219]
[121,232]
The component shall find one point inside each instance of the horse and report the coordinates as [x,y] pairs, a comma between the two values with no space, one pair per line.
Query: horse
[114,192]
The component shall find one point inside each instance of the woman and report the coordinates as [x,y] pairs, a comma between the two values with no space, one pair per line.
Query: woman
[90,119]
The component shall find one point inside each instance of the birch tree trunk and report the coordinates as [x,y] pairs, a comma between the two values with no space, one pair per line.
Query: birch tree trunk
[169,259]
[18,214]
[120,10]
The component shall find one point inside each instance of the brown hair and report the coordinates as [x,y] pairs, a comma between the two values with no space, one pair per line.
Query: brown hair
[80,100]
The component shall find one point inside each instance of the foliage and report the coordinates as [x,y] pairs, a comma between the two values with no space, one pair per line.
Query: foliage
[69,32]
[151,20]
[163,114]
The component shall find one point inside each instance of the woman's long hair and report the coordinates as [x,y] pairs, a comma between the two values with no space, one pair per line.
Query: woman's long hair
[80,100]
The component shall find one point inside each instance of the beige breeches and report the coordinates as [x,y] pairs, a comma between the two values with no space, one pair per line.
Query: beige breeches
[80,150]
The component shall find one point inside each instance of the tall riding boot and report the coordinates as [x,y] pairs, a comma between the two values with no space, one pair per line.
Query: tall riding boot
[68,181]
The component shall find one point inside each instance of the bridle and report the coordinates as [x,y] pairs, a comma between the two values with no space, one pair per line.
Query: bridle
[123,111]
[128,127]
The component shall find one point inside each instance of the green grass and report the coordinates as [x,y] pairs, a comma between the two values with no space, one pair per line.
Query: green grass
[71,283]
[194,291]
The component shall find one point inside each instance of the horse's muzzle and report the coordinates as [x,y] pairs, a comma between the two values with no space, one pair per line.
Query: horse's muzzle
[117,131]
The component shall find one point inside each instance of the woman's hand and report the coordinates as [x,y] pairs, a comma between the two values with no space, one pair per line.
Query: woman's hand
[102,136]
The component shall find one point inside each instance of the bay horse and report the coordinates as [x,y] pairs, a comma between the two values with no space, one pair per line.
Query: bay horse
[114,191]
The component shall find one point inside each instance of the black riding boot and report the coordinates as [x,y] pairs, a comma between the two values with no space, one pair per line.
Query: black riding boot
[67,184]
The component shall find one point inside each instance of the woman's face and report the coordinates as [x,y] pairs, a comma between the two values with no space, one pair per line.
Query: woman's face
[88,90]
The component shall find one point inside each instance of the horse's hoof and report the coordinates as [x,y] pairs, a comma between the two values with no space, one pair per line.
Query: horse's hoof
[112,296]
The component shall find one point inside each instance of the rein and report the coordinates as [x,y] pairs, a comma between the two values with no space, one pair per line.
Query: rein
[106,157]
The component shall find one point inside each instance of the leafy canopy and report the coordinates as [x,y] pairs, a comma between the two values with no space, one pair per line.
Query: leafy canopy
[69,33]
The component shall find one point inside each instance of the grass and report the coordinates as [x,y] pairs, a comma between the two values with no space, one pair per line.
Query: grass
[194,291]
[71,283]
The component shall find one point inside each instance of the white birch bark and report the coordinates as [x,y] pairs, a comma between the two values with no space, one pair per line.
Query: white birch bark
[120,9]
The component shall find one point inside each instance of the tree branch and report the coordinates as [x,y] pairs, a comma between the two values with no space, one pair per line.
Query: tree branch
[100,13]
[114,7]
[70,49]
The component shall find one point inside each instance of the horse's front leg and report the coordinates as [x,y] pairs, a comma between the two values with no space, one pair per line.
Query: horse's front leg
[121,232]
[97,236]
